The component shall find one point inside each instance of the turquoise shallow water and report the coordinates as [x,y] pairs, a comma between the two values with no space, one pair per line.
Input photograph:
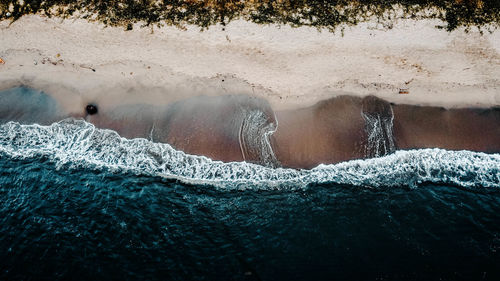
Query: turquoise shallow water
[82,203]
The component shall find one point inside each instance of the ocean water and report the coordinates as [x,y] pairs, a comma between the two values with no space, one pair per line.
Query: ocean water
[82,203]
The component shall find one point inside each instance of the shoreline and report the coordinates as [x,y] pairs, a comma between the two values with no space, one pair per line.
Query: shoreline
[289,67]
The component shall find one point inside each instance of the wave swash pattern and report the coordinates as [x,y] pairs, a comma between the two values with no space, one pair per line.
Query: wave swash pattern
[76,144]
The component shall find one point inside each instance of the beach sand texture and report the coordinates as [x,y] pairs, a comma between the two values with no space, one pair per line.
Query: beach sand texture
[290,67]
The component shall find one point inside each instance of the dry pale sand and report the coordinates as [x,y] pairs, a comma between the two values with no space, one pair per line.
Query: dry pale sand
[291,67]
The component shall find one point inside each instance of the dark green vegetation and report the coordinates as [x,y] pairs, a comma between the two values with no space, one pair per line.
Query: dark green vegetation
[317,13]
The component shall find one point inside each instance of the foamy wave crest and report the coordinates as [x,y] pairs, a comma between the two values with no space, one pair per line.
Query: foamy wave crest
[73,144]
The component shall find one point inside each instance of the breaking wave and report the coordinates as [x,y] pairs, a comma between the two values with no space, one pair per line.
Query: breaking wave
[76,144]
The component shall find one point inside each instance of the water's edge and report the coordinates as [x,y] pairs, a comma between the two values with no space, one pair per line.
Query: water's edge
[74,144]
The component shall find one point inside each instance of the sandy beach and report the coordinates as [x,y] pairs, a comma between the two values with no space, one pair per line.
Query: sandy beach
[290,67]
[249,151]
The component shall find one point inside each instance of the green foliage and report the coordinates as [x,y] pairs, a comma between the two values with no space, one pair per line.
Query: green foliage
[318,13]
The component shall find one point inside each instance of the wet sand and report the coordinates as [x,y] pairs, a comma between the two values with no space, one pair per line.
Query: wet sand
[245,128]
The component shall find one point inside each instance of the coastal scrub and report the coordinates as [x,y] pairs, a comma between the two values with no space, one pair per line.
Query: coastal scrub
[317,13]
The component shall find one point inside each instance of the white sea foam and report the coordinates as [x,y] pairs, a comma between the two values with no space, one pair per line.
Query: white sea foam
[74,144]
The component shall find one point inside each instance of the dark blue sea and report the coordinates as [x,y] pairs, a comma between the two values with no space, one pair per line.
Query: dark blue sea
[80,203]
